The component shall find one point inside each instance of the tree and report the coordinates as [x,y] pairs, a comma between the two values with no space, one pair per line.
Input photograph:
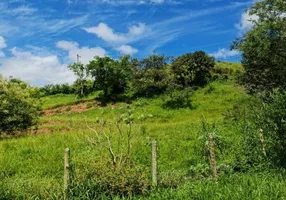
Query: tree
[264,47]
[150,75]
[192,68]
[19,108]
[81,72]
[110,75]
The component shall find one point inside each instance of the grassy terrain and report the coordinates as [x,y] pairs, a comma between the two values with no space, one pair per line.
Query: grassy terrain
[31,167]
[64,99]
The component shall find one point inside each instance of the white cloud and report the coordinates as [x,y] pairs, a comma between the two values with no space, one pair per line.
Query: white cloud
[86,53]
[225,53]
[246,21]
[106,33]
[126,50]
[37,70]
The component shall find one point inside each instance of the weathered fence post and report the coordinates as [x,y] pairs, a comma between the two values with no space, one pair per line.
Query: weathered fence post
[154,163]
[66,172]
[212,155]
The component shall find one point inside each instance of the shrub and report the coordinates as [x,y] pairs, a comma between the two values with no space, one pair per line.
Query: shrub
[19,109]
[53,89]
[193,68]
[261,122]
[178,98]
[116,172]
[150,76]
[104,181]
[265,129]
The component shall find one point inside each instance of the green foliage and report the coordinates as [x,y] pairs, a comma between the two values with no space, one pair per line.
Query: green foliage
[53,89]
[192,68]
[264,47]
[110,75]
[86,86]
[102,181]
[265,128]
[178,98]
[150,76]
[19,109]
[81,85]
[32,166]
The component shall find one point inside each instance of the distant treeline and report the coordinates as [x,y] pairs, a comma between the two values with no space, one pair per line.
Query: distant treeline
[147,77]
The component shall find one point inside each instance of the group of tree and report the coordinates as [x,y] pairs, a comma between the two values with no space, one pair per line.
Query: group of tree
[146,77]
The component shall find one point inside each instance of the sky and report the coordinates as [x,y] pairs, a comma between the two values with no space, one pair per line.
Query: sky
[40,38]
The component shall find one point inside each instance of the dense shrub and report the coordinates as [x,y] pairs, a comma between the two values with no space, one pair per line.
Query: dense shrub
[150,76]
[192,68]
[261,122]
[103,181]
[19,109]
[53,89]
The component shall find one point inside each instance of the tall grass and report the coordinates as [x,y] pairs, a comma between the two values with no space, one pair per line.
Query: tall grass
[31,167]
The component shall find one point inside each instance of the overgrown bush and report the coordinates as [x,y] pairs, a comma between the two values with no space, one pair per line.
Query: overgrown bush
[102,181]
[193,68]
[115,172]
[150,76]
[262,124]
[178,97]
[19,108]
[265,130]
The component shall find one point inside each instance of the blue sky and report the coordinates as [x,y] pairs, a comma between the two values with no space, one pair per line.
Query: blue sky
[39,38]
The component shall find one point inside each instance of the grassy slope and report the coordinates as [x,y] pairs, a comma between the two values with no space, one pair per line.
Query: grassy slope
[32,165]
[64,99]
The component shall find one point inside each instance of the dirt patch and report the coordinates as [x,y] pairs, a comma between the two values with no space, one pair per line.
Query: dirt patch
[76,108]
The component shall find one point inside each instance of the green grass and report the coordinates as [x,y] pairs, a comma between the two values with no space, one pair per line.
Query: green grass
[31,167]
[54,101]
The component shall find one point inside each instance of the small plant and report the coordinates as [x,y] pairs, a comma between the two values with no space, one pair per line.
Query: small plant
[211,145]
[118,173]
[178,98]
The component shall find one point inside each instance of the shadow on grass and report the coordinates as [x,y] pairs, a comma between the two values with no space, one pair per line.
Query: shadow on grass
[178,104]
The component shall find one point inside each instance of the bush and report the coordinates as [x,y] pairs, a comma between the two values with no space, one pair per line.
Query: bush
[178,98]
[53,89]
[193,68]
[150,76]
[19,109]
[103,181]
[262,123]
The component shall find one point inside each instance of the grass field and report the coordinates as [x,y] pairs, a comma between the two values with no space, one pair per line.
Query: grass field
[31,167]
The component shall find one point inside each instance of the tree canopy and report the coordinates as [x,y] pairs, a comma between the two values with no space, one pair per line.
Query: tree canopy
[19,108]
[264,47]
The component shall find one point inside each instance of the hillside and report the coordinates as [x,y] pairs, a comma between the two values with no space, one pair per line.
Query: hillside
[32,166]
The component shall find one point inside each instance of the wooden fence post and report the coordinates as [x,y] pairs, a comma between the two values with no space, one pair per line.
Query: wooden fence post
[212,155]
[66,172]
[154,163]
